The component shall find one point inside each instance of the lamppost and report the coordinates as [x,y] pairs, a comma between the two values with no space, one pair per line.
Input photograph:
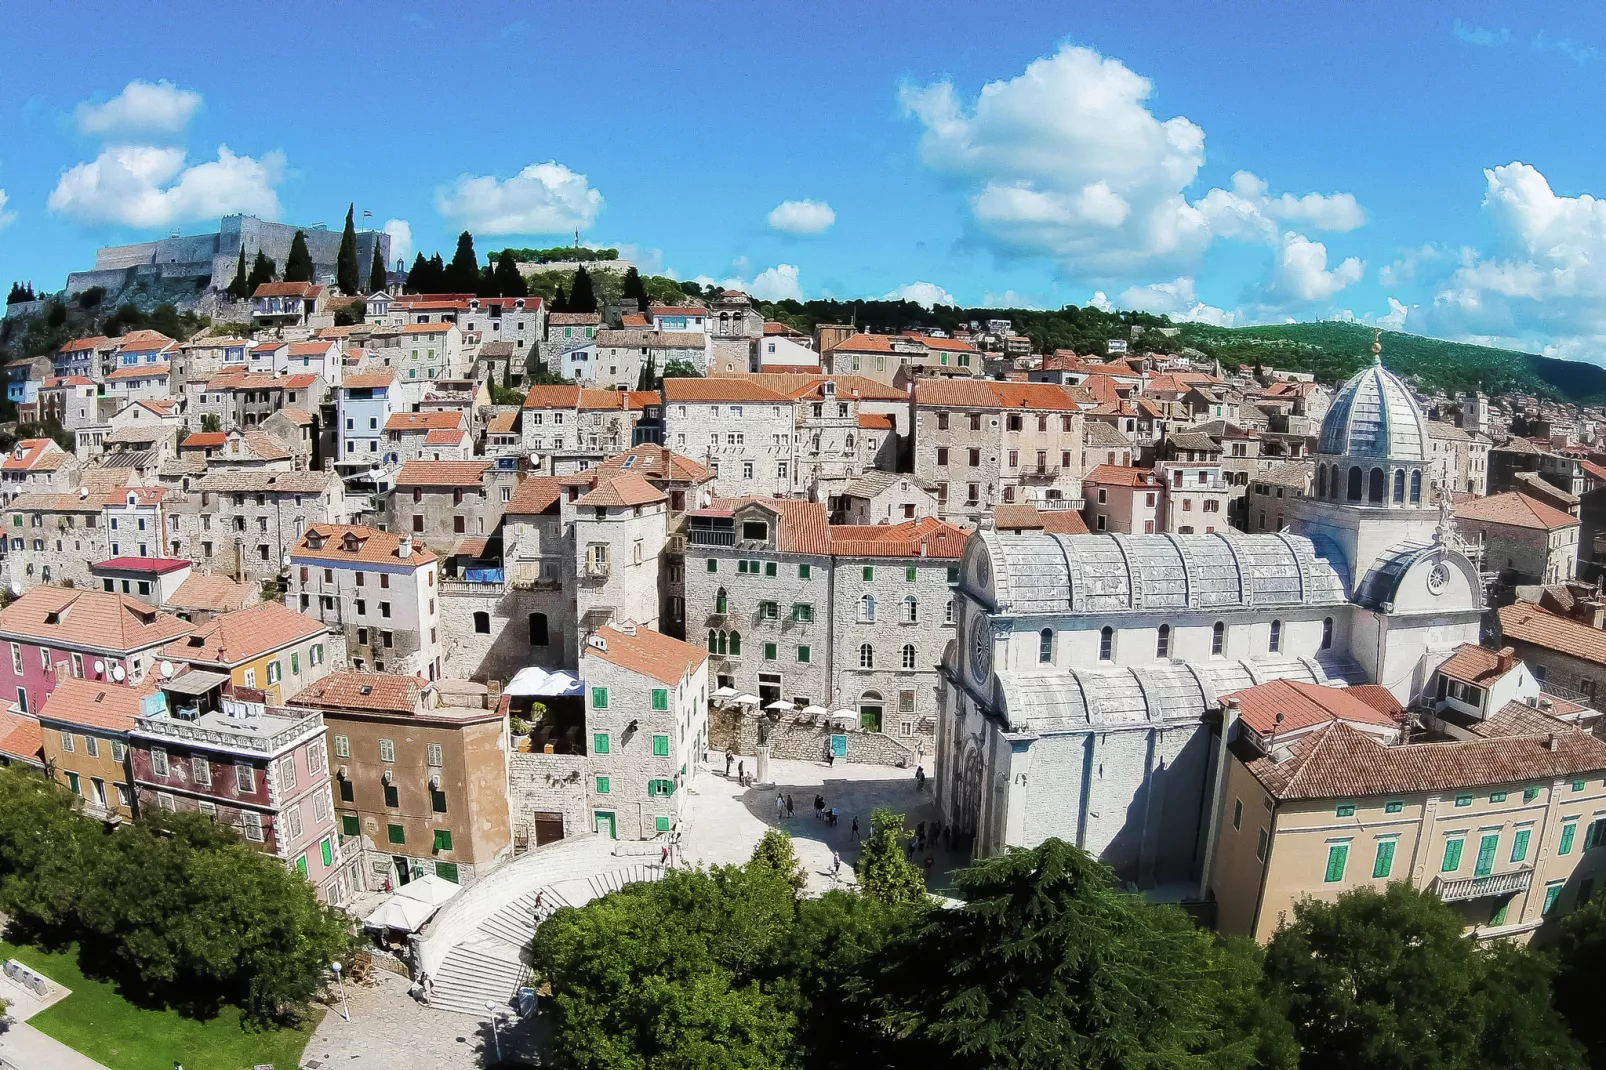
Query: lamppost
[496,1016]
[345,1008]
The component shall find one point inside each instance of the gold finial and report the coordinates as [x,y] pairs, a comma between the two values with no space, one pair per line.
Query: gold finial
[1377,345]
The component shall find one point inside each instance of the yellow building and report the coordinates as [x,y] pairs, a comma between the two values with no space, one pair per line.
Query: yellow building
[84,726]
[1509,827]
[266,647]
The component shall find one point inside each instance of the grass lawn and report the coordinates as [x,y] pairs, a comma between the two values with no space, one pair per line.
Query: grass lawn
[98,1022]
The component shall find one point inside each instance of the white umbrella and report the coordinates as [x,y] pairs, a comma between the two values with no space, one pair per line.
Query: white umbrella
[430,889]
[399,912]
[746,700]
[723,692]
[781,704]
[814,711]
[848,717]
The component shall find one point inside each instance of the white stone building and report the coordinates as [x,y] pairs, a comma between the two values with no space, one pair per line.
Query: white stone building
[743,431]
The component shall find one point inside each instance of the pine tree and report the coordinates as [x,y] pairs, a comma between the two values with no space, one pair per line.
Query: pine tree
[298,266]
[508,280]
[463,274]
[238,288]
[376,272]
[486,286]
[437,275]
[635,289]
[261,272]
[346,271]
[582,298]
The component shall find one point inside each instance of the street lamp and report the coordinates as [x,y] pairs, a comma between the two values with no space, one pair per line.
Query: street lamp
[496,1016]
[345,1008]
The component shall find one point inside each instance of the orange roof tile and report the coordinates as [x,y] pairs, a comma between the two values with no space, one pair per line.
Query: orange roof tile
[802,526]
[927,537]
[445,438]
[535,495]
[658,462]
[502,423]
[93,704]
[1302,705]
[552,397]
[647,652]
[1472,664]
[148,371]
[141,341]
[1027,517]
[378,692]
[719,390]
[991,394]
[622,489]
[1528,623]
[873,421]
[351,544]
[90,620]
[204,439]
[425,421]
[21,737]
[288,289]
[368,380]
[441,473]
[216,594]
[238,637]
[1514,509]
[35,453]
[1122,476]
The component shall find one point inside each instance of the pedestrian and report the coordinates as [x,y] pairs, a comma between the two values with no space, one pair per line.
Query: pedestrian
[929,863]
[920,778]
[832,822]
[920,841]
[920,830]
[945,836]
[855,827]
[819,807]
[789,808]
[728,757]
[780,807]
[741,773]
[663,855]
[539,893]
[836,865]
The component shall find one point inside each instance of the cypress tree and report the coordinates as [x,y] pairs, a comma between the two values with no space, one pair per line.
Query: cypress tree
[437,275]
[261,272]
[376,272]
[346,271]
[634,288]
[463,274]
[298,266]
[418,276]
[582,298]
[238,288]
[509,282]
[560,300]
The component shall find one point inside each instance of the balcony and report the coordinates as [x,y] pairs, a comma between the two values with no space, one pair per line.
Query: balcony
[700,537]
[1046,474]
[1455,890]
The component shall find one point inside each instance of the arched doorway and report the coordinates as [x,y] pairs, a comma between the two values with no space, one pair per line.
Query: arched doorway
[870,708]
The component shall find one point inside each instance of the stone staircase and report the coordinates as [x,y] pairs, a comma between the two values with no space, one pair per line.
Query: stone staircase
[490,965]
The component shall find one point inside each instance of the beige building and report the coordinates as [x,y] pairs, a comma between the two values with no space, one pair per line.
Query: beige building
[1523,539]
[1118,498]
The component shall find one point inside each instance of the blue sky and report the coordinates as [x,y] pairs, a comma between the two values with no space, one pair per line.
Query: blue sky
[1426,166]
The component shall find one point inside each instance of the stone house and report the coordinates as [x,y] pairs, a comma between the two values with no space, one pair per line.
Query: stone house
[80,357]
[53,537]
[1566,654]
[571,428]
[201,358]
[883,497]
[1195,495]
[266,648]
[518,322]
[621,528]
[407,434]
[290,304]
[743,431]
[242,523]
[618,357]
[442,503]
[37,465]
[1523,539]
[364,404]
[147,382]
[71,400]
[1271,491]
[1122,499]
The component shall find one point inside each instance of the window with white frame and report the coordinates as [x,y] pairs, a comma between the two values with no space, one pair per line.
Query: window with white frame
[201,771]
[245,777]
[253,825]
[159,761]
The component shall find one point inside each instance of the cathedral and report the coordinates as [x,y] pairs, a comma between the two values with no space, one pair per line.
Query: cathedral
[1080,696]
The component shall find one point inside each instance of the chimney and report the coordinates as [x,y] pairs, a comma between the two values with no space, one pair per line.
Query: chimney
[404,548]
[1506,660]
[1550,744]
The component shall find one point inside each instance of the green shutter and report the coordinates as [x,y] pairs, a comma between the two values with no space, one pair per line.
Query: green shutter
[1530,794]
[295,662]
[349,825]
[1497,796]
[660,698]
[599,698]
[1552,893]
[1486,849]
[953,573]
[602,785]
[1393,806]
[1519,846]
[1384,863]
[396,834]
[443,840]
[1578,785]
[909,573]
[769,568]
[803,655]
[1452,856]
[869,573]
[301,863]
[599,743]
[328,852]
[446,871]
[1567,832]
[1337,856]
[769,651]
[713,565]
[1464,799]
[802,572]
[660,746]
[661,823]
[1346,810]
[1498,915]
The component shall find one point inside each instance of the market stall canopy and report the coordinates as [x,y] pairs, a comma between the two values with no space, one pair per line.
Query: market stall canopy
[847,717]
[430,889]
[747,700]
[781,704]
[399,912]
[538,682]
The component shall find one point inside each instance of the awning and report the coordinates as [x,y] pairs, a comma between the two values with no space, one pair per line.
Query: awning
[535,681]
[399,912]
[196,682]
[430,889]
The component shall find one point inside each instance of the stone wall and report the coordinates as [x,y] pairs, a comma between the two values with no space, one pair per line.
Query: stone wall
[505,649]
[550,784]
[732,730]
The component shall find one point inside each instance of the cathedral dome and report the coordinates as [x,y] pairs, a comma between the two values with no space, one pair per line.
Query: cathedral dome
[1374,415]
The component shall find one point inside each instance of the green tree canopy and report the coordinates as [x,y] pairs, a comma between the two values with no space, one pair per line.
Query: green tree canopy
[298,267]
[347,275]
[885,874]
[377,279]
[239,287]
[634,290]
[582,297]
[261,272]
[1580,965]
[774,853]
[509,283]
[463,273]
[45,849]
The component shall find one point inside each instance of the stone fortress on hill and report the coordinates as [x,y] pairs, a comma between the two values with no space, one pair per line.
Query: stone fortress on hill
[192,258]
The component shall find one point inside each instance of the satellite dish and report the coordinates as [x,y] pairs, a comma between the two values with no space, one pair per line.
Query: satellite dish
[100,667]
[167,670]
[83,492]
[285,561]
[118,673]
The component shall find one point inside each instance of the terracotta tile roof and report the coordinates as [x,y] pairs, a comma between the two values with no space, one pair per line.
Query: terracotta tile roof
[864,343]
[1101,435]
[269,347]
[368,380]
[36,454]
[288,289]
[238,637]
[141,341]
[1514,509]
[91,620]
[425,421]
[802,527]
[350,544]
[636,400]
[721,389]
[252,481]
[1303,705]
[1593,469]
[535,495]
[1379,698]
[445,438]
[927,537]
[21,737]
[647,652]
[79,345]
[441,473]
[1340,762]
[94,704]
[217,594]
[573,319]
[658,462]
[676,310]
[872,421]
[809,384]
[297,416]
[991,394]
[44,502]
[59,382]
[771,327]
[502,423]
[1521,719]
[1530,624]
[952,345]
[203,440]
[625,488]
[311,349]
[1027,517]
[1478,665]
[552,397]
[380,692]
[427,328]
[790,369]
[1116,475]
[156,566]
[148,371]
[299,382]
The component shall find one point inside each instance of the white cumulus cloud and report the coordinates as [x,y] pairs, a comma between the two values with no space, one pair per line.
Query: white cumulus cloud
[925,294]
[1300,272]
[148,186]
[802,217]
[401,239]
[1395,320]
[1067,161]
[544,198]
[778,283]
[142,107]
[1176,299]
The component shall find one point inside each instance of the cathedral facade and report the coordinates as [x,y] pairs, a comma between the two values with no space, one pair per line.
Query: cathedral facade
[1081,695]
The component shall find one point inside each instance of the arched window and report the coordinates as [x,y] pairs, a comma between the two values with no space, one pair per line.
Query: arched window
[1399,485]
[1276,643]
[1218,636]
[1416,485]
[1374,488]
[538,636]
[724,645]
[1106,643]
[867,609]
[482,623]
[908,655]
[948,612]
[866,656]
[911,610]
[1162,645]
[713,641]
[736,644]
[722,602]
[1045,645]
[1355,478]
[1321,481]
[1327,633]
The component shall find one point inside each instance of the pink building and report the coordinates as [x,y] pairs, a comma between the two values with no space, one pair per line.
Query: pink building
[205,745]
[1120,498]
[52,633]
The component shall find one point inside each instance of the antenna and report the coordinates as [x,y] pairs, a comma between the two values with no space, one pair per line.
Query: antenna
[166,669]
